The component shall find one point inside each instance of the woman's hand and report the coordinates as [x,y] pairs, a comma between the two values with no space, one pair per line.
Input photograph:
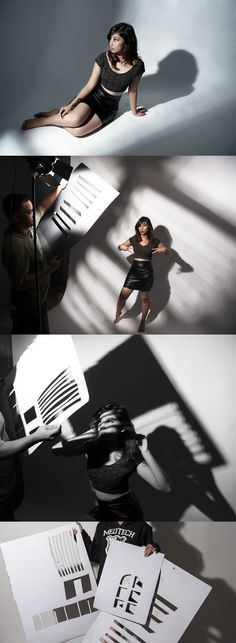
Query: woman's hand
[125,247]
[144,446]
[65,110]
[140,111]
[161,251]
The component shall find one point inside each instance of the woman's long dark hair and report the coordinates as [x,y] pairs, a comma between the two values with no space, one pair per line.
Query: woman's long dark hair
[129,438]
[150,228]
[130,51]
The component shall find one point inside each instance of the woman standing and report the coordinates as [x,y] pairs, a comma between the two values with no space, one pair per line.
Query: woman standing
[140,276]
[114,451]
[97,102]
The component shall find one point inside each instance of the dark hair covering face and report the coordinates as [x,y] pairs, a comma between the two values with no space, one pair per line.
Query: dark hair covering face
[150,227]
[130,50]
[130,438]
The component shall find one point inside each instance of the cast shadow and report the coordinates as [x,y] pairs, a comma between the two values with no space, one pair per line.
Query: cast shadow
[191,483]
[162,265]
[174,78]
[215,620]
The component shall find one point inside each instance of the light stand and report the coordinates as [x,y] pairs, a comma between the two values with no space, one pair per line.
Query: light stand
[41,165]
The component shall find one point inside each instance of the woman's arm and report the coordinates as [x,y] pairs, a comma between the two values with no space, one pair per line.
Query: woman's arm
[126,245]
[12,447]
[133,96]
[151,471]
[162,249]
[90,85]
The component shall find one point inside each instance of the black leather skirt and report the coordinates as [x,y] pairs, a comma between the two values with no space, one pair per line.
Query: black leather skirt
[140,276]
[126,507]
[103,104]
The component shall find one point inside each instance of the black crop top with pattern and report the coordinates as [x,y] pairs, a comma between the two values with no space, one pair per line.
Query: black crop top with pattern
[117,81]
[143,252]
[112,478]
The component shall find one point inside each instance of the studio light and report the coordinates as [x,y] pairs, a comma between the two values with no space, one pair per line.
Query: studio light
[41,165]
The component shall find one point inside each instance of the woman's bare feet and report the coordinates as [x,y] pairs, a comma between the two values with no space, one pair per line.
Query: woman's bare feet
[29,123]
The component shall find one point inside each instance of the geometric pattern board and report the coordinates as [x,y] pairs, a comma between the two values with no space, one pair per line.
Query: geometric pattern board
[52,583]
[175,602]
[76,210]
[49,383]
[128,581]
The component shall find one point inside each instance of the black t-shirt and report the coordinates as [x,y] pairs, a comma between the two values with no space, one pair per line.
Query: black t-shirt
[116,81]
[111,478]
[143,252]
[134,533]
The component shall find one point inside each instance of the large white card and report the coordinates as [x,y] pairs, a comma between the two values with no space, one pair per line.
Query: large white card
[49,383]
[52,583]
[128,581]
[178,597]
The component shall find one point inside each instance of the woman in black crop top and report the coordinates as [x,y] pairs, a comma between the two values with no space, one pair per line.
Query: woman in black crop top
[113,454]
[140,276]
[97,102]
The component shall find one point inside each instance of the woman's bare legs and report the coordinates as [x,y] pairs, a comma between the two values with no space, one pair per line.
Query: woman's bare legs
[75,118]
[51,112]
[145,299]
[123,296]
[90,126]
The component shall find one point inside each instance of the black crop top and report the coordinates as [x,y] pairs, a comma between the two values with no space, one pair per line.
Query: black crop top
[112,478]
[143,252]
[117,81]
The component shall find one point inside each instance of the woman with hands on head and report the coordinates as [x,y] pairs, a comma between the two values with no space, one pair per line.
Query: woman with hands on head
[114,451]
[97,102]
[140,276]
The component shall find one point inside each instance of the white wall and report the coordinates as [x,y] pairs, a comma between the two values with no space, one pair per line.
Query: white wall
[193,200]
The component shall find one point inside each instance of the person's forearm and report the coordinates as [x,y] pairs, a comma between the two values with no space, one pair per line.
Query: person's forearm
[14,447]
[133,101]
[122,246]
[159,474]
[81,94]
[29,280]
[48,201]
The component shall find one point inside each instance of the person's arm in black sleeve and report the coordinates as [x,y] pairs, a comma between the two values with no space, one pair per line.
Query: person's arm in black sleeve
[148,540]
[91,545]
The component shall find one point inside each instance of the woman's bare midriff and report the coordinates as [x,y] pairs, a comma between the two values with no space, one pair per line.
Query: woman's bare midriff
[139,259]
[108,496]
[111,93]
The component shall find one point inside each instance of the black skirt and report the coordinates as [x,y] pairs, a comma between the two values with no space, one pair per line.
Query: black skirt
[103,104]
[126,507]
[140,276]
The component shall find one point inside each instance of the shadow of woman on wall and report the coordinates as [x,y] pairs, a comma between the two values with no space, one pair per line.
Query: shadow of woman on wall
[174,78]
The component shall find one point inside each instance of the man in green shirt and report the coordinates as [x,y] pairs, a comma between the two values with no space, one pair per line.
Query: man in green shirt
[18,259]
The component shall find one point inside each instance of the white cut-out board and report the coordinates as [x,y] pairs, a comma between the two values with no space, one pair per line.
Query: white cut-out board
[178,598]
[128,581]
[43,570]
[49,383]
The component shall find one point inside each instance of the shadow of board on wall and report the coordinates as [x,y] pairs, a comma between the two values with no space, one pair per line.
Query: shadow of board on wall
[64,490]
